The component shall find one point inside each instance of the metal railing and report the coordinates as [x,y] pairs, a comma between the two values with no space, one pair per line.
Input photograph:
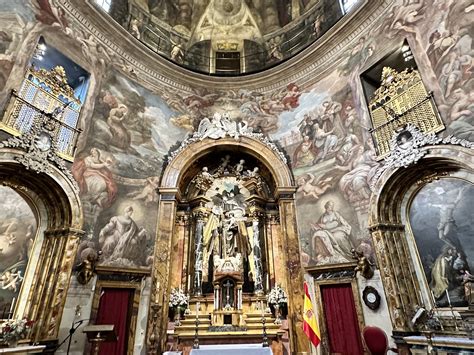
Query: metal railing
[423,114]
[21,116]
[288,41]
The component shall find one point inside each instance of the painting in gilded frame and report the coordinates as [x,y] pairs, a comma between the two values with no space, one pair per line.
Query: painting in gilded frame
[441,217]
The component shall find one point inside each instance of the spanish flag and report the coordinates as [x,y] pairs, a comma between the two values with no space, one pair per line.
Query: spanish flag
[310,324]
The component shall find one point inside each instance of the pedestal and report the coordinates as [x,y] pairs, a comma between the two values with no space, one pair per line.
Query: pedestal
[97,334]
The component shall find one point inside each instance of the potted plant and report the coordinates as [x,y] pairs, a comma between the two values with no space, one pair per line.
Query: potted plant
[278,299]
[178,302]
[14,330]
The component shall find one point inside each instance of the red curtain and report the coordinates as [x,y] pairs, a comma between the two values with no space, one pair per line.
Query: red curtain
[114,306]
[341,320]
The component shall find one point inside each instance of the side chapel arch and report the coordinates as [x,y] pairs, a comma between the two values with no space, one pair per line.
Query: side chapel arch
[388,226]
[171,192]
[58,210]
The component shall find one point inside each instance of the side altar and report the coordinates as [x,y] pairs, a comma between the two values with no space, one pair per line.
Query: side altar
[227,236]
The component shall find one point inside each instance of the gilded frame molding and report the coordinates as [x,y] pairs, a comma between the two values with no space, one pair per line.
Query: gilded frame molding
[390,235]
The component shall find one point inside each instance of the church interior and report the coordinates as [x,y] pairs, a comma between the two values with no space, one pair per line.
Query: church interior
[229,177]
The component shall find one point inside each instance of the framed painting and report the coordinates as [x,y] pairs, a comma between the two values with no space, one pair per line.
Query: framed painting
[440,216]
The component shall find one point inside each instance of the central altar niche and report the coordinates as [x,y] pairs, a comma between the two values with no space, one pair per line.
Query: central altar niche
[227,198]
[227,228]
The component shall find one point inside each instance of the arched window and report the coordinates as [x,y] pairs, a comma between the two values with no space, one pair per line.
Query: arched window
[347,5]
[104,4]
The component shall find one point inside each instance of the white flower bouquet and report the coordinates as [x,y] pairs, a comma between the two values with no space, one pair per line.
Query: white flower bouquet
[177,298]
[277,296]
[15,329]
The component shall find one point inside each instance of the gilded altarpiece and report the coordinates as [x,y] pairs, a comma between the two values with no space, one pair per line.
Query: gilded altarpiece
[227,216]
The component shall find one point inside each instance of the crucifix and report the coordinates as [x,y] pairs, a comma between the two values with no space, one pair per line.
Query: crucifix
[227,285]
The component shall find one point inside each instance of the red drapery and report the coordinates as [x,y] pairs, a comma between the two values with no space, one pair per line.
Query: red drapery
[114,308]
[341,320]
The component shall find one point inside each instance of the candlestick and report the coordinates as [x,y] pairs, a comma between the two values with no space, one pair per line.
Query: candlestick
[10,313]
[264,328]
[447,296]
[421,298]
[452,311]
[198,305]
[268,283]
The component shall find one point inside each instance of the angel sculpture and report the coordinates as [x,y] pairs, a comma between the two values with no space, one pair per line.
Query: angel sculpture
[239,167]
[213,129]
[203,180]
[364,266]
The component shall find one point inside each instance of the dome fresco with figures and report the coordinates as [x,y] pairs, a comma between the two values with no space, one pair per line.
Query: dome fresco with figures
[227,37]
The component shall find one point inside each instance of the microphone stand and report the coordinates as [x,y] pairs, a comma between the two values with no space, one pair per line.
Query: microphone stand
[72,330]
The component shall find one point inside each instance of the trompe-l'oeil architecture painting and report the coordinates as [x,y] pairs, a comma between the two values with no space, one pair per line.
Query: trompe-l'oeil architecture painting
[228,175]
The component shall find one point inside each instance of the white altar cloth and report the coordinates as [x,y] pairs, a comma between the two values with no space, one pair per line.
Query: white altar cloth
[23,349]
[232,349]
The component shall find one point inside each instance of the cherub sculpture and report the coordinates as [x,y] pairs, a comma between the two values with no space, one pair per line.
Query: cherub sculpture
[364,266]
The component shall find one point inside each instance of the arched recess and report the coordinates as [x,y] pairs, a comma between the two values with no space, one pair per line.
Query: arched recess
[387,223]
[171,190]
[59,217]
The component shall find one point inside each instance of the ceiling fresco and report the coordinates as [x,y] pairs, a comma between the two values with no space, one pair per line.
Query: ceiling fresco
[262,32]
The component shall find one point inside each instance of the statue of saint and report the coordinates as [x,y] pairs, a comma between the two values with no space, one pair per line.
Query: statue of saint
[226,239]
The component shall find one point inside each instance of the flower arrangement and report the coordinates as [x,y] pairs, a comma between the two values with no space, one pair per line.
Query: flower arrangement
[177,298]
[277,296]
[15,329]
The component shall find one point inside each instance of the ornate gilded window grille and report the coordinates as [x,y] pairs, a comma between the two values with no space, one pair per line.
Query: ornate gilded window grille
[401,99]
[45,95]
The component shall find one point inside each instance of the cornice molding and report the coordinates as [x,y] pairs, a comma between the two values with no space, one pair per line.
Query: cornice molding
[155,71]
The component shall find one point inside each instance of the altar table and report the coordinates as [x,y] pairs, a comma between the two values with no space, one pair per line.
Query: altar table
[232,349]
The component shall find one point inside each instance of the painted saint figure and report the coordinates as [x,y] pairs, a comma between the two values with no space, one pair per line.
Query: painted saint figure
[334,231]
[95,179]
[115,121]
[305,154]
[122,241]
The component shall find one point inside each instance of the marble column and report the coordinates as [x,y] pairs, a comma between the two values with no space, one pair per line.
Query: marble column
[294,274]
[199,249]
[161,269]
[257,256]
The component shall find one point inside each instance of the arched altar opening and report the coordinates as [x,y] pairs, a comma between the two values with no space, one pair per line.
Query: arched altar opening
[226,235]
[415,302]
[51,248]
